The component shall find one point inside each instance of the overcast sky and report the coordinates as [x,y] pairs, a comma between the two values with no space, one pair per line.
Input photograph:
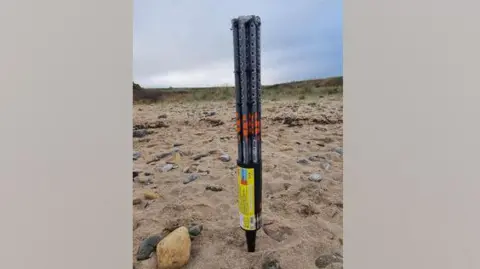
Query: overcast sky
[183,43]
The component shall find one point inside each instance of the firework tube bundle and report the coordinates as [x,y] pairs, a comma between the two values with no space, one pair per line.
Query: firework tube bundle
[246,44]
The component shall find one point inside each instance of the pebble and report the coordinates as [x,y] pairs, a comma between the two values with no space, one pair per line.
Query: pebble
[144,180]
[209,114]
[302,161]
[173,252]
[190,178]
[140,133]
[199,156]
[339,151]
[137,201]
[316,158]
[147,247]
[325,260]
[167,167]
[136,155]
[315,177]
[195,230]
[187,169]
[225,158]
[271,264]
[162,155]
[326,166]
[150,195]
[214,188]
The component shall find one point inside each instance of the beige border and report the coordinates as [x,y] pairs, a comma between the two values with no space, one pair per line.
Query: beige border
[411,134]
[65,112]
[411,192]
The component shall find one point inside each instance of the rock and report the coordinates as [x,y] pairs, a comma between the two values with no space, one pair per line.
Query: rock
[277,232]
[325,260]
[213,122]
[150,195]
[339,151]
[326,165]
[316,158]
[209,114]
[137,201]
[147,247]
[167,167]
[195,230]
[214,188]
[316,177]
[190,178]
[336,265]
[136,155]
[173,252]
[271,264]
[162,155]
[302,161]
[188,169]
[225,158]
[199,156]
[144,180]
[140,133]
[177,145]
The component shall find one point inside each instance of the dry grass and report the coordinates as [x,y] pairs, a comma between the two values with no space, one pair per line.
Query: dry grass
[293,90]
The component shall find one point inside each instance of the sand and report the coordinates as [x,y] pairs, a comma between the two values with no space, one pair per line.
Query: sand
[303,219]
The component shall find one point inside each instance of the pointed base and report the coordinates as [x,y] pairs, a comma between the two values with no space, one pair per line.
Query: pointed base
[251,238]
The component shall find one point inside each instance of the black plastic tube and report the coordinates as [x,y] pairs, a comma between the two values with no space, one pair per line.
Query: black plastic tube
[246,44]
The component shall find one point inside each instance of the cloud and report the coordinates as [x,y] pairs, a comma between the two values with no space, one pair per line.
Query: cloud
[189,43]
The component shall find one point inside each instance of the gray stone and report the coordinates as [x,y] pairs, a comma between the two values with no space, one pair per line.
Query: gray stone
[137,201]
[147,247]
[167,167]
[325,260]
[136,155]
[326,165]
[140,133]
[162,155]
[190,178]
[210,113]
[225,158]
[316,177]
[302,161]
[271,264]
[339,151]
[195,230]
[144,180]
[214,188]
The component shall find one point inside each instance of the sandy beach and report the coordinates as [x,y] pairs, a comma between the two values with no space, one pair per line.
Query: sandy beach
[180,158]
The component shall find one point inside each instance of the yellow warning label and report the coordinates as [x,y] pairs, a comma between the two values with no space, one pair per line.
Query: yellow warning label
[246,198]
